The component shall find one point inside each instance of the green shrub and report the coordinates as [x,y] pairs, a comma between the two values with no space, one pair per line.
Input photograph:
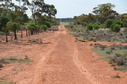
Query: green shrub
[66,26]
[69,26]
[89,27]
[48,24]
[115,27]
[101,26]
[111,26]
[108,23]
[44,27]
[95,26]
[77,23]
[118,22]
[77,30]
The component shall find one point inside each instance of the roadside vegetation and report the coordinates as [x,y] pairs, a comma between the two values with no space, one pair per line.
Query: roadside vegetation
[13,17]
[115,54]
[104,25]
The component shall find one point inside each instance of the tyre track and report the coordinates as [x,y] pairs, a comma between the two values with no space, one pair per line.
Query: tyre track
[37,70]
[81,68]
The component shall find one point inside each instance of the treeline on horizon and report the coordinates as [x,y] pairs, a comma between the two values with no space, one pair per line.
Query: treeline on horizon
[103,16]
[13,17]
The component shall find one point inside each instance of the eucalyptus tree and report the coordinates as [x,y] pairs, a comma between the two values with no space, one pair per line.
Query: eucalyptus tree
[33,8]
[52,10]
[5,5]
[22,7]
[44,8]
[88,18]
[39,8]
[14,22]
[122,17]
[105,11]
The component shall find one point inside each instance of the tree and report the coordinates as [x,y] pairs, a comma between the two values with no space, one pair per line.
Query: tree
[31,27]
[39,8]
[12,16]
[89,18]
[13,26]
[5,5]
[104,12]
[122,17]
[3,20]
[25,18]
[33,8]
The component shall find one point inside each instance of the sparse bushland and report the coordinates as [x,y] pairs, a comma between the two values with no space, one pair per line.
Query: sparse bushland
[104,17]
[116,55]
[109,29]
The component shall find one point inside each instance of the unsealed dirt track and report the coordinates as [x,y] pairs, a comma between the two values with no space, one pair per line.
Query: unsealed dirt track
[61,60]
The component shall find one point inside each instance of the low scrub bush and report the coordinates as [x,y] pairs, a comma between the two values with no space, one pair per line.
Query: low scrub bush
[77,23]
[115,27]
[108,23]
[12,60]
[77,30]
[96,26]
[2,61]
[69,26]
[89,27]
[116,21]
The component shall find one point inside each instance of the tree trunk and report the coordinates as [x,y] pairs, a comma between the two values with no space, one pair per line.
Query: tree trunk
[6,36]
[21,34]
[15,35]
[29,32]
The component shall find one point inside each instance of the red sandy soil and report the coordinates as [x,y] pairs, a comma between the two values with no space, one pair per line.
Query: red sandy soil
[58,60]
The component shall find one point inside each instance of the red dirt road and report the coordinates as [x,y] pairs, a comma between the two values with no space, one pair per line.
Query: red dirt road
[61,60]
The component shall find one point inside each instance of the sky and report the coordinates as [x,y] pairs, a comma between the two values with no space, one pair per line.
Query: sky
[71,8]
